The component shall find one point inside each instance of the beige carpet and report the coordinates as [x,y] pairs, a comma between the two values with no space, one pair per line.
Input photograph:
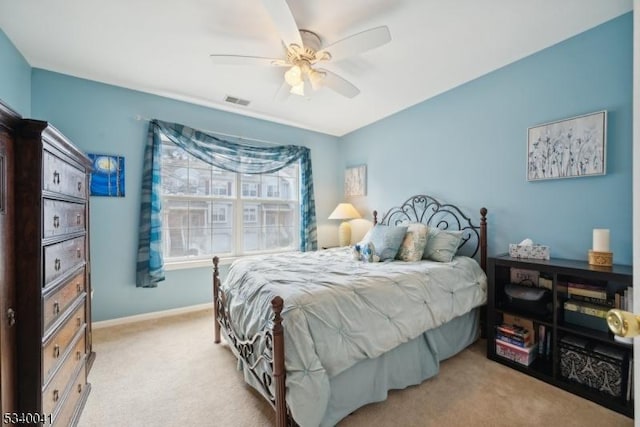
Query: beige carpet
[169,372]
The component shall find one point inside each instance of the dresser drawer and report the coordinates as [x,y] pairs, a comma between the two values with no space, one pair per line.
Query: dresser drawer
[64,417]
[61,177]
[62,257]
[53,393]
[56,346]
[58,301]
[63,218]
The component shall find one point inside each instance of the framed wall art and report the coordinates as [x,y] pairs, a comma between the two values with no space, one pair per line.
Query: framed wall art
[107,177]
[568,148]
[355,181]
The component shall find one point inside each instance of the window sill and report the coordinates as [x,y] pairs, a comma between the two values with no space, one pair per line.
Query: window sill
[208,262]
[182,265]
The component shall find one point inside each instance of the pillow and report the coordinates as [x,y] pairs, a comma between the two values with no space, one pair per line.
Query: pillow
[386,240]
[412,247]
[442,245]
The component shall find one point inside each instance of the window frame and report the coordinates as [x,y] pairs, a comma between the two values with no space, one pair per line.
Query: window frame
[238,203]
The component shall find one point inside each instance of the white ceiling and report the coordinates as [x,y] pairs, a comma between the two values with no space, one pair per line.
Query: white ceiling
[163,47]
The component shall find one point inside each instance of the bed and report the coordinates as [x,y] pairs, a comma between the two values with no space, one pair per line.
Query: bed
[320,334]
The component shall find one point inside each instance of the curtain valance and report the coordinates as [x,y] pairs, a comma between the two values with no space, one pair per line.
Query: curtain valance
[230,156]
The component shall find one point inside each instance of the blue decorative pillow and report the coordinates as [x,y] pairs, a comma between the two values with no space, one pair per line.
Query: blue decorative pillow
[386,240]
[442,245]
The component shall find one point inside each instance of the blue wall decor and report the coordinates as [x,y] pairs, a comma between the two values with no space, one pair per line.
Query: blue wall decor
[107,178]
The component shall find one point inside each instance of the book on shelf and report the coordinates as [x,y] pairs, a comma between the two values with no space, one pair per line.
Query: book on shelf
[513,331]
[599,293]
[547,345]
[623,299]
[544,341]
[542,332]
[545,281]
[586,308]
[561,286]
[513,340]
[630,378]
[599,301]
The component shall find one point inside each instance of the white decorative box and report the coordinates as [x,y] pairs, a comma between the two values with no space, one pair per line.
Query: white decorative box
[522,355]
[528,251]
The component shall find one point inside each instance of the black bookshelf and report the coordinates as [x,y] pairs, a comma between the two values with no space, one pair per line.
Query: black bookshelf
[547,364]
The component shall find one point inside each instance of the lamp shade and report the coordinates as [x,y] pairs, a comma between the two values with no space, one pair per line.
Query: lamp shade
[344,211]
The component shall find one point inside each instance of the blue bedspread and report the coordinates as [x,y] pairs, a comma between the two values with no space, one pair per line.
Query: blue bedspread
[338,311]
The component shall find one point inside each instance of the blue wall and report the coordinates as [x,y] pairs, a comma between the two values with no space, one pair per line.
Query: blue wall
[100,118]
[15,77]
[468,146]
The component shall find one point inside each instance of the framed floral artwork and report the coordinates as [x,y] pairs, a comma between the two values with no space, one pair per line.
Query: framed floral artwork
[355,181]
[568,148]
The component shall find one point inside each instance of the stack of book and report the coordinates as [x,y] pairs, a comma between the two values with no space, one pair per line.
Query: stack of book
[516,343]
[624,299]
[587,306]
[544,341]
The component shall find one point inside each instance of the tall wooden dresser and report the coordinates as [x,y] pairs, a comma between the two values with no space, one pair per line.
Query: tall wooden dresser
[53,287]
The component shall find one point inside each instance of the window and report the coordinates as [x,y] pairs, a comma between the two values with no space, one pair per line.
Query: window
[250,214]
[219,215]
[249,189]
[208,211]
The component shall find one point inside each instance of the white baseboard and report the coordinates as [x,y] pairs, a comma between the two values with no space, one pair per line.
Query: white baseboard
[149,316]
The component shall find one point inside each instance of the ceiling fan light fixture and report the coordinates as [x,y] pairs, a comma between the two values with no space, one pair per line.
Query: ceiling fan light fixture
[298,89]
[315,78]
[293,76]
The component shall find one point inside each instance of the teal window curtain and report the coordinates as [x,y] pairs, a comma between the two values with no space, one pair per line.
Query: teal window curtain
[230,156]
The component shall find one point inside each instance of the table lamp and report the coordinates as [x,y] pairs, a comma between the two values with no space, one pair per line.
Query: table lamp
[344,211]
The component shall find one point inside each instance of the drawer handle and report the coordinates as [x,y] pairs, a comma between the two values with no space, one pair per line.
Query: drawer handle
[56,395]
[79,185]
[78,355]
[56,221]
[56,177]
[57,264]
[78,321]
[78,218]
[56,308]
[79,388]
[79,252]
[78,287]
[11,316]
[56,351]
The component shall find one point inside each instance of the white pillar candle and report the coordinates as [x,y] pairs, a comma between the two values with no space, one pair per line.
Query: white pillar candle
[600,240]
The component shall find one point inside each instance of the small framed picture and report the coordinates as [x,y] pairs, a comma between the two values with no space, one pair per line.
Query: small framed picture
[355,181]
[568,148]
[107,177]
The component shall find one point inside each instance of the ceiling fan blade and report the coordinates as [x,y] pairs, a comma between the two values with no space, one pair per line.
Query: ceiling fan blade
[283,19]
[339,85]
[358,43]
[247,60]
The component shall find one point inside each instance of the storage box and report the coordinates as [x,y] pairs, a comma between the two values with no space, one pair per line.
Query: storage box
[529,251]
[533,301]
[524,356]
[586,320]
[597,366]
[524,277]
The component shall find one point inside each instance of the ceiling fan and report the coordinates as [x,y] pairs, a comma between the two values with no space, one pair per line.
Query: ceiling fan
[304,50]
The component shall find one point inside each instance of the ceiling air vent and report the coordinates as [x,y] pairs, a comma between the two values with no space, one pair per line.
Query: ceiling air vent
[234,100]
